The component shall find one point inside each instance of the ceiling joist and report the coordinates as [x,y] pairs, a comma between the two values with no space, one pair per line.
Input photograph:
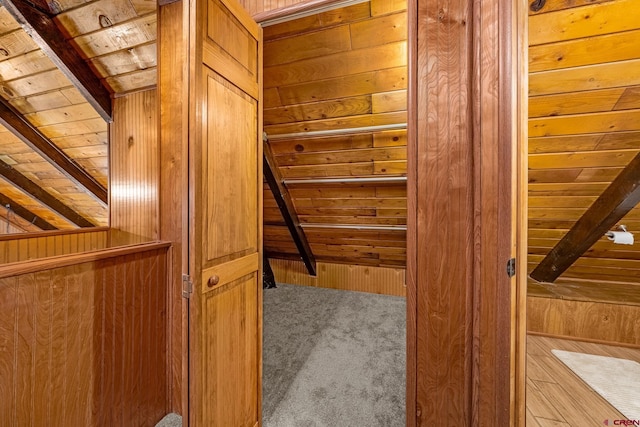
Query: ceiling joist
[29,187]
[285,204]
[46,34]
[31,136]
[622,195]
[25,213]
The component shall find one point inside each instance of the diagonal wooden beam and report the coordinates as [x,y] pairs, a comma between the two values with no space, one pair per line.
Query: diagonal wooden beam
[622,195]
[29,187]
[30,135]
[46,34]
[283,199]
[25,213]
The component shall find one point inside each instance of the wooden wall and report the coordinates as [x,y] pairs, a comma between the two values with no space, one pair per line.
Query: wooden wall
[616,323]
[85,344]
[377,280]
[14,248]
[584,125]
[135,167]
[338,70]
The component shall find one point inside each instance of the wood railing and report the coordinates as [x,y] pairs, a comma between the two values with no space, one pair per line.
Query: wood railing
[83,338]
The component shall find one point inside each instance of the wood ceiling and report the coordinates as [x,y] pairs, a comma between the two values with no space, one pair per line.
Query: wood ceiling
[337,70]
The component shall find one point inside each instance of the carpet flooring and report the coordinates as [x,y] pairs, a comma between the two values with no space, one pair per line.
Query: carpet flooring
[333,358]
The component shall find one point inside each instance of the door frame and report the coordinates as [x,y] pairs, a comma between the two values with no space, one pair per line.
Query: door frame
[498,30]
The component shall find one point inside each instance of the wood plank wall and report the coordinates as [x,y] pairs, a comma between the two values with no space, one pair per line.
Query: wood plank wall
[33,246]
[135,168]
[584,125]
[377,280]
[86,344]
[586,320]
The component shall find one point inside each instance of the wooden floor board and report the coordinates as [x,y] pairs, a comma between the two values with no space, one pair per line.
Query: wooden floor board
[558,397]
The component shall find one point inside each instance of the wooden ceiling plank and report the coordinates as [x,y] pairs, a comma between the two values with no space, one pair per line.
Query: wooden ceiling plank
[287,209]
[613,204]
[25,213]
[29,187]
[51,40]
[31,136]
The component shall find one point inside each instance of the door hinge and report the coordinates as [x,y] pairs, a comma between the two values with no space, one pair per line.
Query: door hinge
[187,286]
[511,267]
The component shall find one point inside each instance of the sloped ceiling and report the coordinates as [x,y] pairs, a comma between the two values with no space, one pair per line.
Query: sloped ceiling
[116,39]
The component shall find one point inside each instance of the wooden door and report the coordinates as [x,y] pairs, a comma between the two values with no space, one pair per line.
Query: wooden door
[226,204]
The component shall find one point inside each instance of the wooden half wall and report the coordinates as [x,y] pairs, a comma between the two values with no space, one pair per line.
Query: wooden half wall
[377,280]
[83,339]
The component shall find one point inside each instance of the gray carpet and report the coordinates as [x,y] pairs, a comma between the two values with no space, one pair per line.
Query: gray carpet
[170,420]
[333,358]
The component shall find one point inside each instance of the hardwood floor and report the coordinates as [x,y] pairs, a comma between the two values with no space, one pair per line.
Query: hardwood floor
[555,395]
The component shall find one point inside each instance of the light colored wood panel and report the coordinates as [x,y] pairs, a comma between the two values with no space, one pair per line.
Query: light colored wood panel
[230,167]
[351,202]
[339,123]
[94,16]
[98,138]
[17,43]
[585,159]
[63,114]
[7,22]
[25,248]
[35,83]
[77,128]
[377,31]
[612,121]
[136,58]
[142,79]
[567,189]
[308,45]
[600,76]
[559,201]
[319,110]
[586,51]
[602,174]
[389,101]
[611,323]
[553,5]
[117,37]
[23,65]
[135,170]
[45,101]
[575,103]
[337,65]
[312,145]
[343,169]
[380,7]
[353,220]
[320,20]
[343,156]
[590,20]
[390,167]
[379,280]
[358,84]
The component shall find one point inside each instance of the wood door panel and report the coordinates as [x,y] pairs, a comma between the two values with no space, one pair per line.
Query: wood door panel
[231,166]
[230,48]
[231,353]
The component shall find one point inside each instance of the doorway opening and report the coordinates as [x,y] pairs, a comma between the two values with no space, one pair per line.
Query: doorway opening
[335,118]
